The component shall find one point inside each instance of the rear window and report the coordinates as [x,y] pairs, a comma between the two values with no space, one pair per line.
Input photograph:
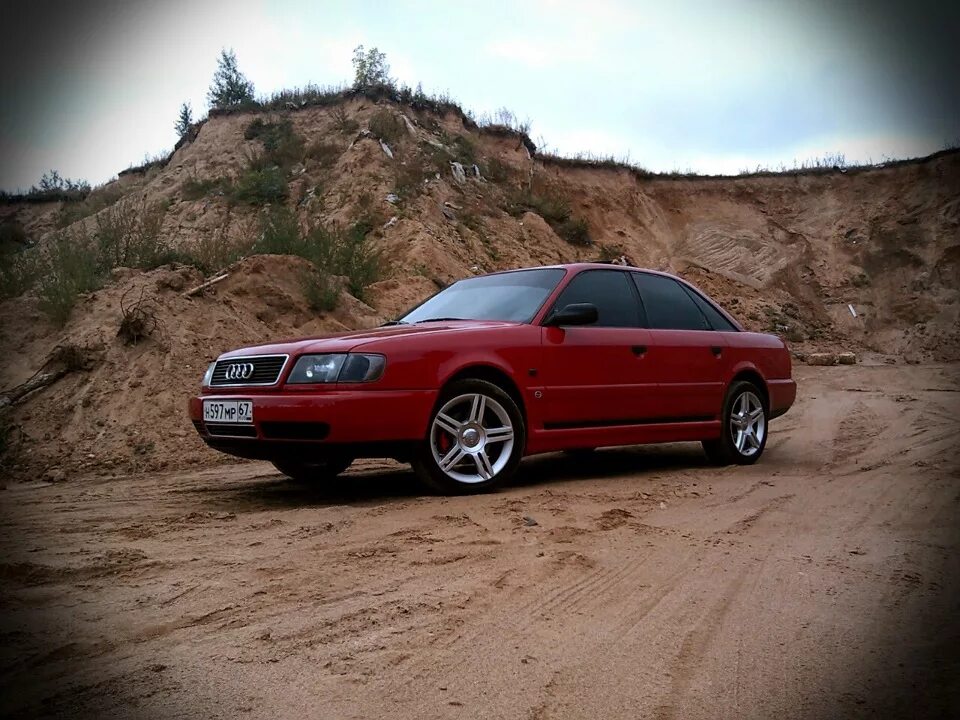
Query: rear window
[667,304]
[714,317]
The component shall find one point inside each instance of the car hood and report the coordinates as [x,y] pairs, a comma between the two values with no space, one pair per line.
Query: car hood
[353,340]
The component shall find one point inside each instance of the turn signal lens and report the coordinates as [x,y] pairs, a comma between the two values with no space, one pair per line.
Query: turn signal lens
[208,375]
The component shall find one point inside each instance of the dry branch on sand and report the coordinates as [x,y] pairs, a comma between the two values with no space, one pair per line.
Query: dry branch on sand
[64,360]
[139,320]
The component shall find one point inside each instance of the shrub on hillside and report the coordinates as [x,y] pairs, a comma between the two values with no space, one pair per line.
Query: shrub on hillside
[194,188]
[386,126]
[280,234]
[260,185]
[71,269]
[495,170]
[342,122]
[324,153]
[575,231]
[281,145]
[19,269]
[321,291]
[12,234]
[348,252]
[96,200]
[128,234]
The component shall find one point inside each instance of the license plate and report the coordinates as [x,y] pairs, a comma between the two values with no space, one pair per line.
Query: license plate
[228,411]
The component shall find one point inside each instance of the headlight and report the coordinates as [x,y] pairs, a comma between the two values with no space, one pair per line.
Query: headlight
[208,375]
[338,367]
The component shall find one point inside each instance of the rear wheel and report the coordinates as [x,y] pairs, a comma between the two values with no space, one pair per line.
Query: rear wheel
[743,434]
[475,439]
[313,471]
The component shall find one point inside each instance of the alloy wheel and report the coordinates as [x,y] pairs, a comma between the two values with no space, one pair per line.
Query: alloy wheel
[748,424]
[471,438]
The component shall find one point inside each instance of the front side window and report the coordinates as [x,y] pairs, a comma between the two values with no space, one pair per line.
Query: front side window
[610,291]
[667,304]
[510,296]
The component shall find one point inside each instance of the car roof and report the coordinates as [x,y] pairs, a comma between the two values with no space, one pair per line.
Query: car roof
[577,267]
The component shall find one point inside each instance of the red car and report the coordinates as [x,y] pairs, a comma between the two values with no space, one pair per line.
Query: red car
[499,366]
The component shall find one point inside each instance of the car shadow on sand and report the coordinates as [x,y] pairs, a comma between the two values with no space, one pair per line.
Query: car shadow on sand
[375,486]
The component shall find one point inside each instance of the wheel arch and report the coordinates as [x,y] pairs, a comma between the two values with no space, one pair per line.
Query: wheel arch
[494,375]
[752,375]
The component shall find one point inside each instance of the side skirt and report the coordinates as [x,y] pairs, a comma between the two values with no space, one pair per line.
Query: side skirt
[543,440]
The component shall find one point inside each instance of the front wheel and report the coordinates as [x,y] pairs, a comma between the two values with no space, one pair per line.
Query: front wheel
[475,439]
[743,434]
[313,471]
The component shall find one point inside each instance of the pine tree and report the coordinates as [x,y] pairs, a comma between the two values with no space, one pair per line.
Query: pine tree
[229,87]
[184,120]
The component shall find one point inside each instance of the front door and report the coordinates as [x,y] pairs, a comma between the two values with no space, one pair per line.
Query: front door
[598,374]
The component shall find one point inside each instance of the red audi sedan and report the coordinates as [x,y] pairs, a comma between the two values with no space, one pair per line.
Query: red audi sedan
[495,367]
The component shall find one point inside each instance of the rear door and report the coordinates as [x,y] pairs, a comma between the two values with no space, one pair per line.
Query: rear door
[597,374]
[687,356]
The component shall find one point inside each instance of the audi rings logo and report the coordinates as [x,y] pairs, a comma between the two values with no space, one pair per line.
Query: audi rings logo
[239,371]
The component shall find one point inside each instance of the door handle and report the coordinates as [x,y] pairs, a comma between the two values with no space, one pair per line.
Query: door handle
[716,350]
[639,350]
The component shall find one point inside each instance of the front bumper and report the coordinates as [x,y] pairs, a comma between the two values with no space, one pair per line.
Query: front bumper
[333,417]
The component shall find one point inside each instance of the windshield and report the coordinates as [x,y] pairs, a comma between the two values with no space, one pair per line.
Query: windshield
[512,296]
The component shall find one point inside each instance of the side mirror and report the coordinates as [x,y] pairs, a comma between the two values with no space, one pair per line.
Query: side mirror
[574,314]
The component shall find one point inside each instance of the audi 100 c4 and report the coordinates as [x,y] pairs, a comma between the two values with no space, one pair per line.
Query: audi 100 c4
[499,366]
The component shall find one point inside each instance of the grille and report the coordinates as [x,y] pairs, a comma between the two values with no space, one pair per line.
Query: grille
[224,430]
[266,371]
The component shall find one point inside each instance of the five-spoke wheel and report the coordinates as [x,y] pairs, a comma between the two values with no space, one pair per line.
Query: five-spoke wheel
[475,438]
[744,431]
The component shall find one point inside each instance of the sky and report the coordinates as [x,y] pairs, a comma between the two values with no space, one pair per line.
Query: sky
[91,88]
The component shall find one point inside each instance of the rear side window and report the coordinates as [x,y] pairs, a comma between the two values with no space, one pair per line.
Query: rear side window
[714,317]
[667,304]
[610,291]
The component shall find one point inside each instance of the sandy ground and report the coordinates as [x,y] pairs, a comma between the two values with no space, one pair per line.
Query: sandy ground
[822,582]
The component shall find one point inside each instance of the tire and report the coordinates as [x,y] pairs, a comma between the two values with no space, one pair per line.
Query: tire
[744,427]
[474,441]
[316,471]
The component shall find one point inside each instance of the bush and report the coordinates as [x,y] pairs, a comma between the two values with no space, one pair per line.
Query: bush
[225,245]
[259,185]
[321,291]
[575,231]
[71,269]
[280,234]
[96,200]
[343,123]
[495,170]
[19,269]
[12,234]
[345,252]
[194,189]
[325,154]
[282,146]
[386,126]
[128,235]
